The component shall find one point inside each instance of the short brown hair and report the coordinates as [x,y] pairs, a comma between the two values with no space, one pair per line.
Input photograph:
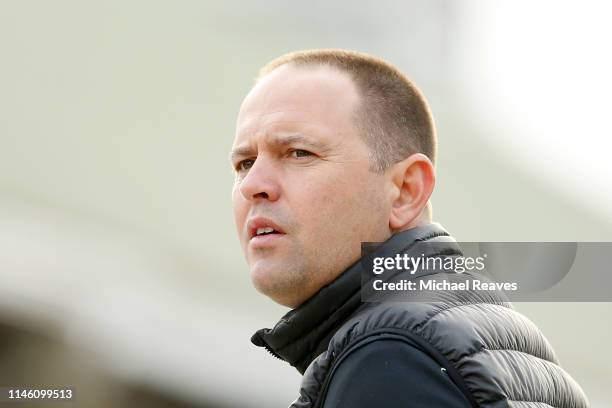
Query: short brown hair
[393,116]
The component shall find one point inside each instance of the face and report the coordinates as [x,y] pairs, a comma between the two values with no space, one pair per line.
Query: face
[304,197]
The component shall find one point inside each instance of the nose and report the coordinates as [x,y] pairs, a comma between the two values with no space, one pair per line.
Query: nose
[261,181]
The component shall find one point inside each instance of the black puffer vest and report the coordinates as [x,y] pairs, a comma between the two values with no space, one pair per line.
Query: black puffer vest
[495,355]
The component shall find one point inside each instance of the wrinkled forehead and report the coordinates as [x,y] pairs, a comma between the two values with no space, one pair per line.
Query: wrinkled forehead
[290,98]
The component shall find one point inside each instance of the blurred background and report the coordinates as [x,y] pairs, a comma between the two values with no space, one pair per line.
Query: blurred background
[120,272]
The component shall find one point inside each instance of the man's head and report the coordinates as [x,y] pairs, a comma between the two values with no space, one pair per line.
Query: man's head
[332,148]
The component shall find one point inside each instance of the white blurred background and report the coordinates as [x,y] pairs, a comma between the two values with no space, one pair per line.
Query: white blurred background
[120,272]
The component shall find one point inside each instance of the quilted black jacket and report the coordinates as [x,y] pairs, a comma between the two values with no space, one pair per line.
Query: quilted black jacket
[494,355]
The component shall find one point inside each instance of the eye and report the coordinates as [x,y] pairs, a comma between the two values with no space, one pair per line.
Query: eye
[244,165]
[297,153]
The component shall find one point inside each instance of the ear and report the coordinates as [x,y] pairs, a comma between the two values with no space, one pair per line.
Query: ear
[413,181]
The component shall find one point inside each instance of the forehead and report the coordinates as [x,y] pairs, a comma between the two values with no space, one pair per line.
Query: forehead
[293,99]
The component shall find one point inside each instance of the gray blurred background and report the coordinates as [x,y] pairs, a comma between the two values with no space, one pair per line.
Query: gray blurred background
[120,272]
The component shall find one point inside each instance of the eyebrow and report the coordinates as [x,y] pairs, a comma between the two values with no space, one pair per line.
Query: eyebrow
[281,141]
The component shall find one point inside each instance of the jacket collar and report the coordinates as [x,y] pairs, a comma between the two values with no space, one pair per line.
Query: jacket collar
[303,333]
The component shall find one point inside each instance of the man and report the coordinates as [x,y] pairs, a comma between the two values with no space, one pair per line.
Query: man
[334,148]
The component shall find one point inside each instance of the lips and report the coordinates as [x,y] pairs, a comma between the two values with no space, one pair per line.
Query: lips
[259,227]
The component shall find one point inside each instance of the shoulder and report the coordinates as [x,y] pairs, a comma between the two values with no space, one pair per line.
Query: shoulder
[455,326]
[480,342]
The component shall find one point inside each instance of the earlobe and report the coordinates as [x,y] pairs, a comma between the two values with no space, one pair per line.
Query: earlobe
[414,180]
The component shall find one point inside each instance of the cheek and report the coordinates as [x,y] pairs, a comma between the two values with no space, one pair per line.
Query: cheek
[328,207]
[240,210]
[353,210]
[318,199]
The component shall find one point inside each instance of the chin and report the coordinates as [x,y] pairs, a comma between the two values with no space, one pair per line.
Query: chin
[264,277]
[278,282]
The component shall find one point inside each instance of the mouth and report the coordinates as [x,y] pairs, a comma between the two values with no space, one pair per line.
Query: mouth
[263,231]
